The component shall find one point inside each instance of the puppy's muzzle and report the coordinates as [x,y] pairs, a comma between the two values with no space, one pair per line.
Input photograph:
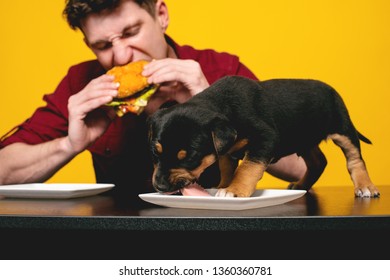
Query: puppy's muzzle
[174,180]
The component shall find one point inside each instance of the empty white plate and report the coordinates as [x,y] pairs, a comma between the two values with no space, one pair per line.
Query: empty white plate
[52,190]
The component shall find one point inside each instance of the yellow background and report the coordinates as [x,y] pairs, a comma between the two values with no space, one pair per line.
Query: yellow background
[344,43]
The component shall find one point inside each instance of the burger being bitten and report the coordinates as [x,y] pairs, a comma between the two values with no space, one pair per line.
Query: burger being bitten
[134,90]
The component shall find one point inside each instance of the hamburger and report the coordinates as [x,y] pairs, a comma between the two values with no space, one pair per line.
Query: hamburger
[134,90]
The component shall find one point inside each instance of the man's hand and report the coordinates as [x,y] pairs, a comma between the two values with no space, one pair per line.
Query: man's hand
[179,80]
[87,121]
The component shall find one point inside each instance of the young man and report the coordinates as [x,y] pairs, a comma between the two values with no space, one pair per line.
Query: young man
[74,119]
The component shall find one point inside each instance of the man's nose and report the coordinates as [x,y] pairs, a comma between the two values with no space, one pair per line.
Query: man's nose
[122,52]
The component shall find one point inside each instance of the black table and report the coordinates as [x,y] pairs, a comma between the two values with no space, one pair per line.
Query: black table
[326,219]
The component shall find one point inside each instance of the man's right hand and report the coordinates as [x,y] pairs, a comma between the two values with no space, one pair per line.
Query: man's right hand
[87,120]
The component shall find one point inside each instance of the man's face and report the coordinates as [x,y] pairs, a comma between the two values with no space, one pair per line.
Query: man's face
[127,34]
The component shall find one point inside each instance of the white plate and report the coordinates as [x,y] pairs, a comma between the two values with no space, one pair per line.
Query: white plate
[261,198]
[52,190]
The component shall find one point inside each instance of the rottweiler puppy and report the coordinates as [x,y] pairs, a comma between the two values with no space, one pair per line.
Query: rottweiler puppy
[246,125]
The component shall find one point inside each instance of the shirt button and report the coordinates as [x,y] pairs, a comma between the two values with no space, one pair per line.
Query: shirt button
[107,151]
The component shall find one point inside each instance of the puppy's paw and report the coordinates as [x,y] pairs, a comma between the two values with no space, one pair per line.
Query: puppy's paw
[223,193]
[370,191]
[234,192]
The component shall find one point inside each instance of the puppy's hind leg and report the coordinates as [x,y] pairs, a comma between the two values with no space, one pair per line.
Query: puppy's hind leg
[356,166]
[316,162]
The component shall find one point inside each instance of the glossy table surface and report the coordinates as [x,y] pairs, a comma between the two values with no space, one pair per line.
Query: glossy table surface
[321,208]
[326,221]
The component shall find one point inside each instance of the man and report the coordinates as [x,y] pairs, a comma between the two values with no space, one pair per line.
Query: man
[74,119]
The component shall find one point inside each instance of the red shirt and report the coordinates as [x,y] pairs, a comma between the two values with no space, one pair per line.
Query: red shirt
[120,155]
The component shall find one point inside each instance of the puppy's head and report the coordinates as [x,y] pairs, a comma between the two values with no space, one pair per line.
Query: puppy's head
[184,141]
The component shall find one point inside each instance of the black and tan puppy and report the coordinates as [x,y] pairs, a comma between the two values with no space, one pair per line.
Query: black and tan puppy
[258,122]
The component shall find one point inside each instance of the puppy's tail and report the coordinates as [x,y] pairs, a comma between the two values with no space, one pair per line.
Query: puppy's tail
[363,138]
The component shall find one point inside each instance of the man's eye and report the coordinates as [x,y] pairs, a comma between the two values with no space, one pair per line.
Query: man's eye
[131,32]
[127,35]
[101,46]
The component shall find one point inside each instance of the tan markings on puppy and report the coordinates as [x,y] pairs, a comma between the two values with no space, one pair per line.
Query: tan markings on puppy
[159,148]
[180,174]
[181,154]
[206,162]
[247,175]
[240,144]
[227,166]
[356,166]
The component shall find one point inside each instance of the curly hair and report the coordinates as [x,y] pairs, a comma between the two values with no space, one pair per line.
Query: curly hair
[77,10]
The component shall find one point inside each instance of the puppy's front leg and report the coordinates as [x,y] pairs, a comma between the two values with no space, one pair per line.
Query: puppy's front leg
[227,166]
[245,179]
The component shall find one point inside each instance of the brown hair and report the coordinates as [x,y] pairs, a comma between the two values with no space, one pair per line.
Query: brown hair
[77,10]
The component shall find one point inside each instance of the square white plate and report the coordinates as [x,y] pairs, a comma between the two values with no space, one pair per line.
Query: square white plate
[261,198]
[52,190]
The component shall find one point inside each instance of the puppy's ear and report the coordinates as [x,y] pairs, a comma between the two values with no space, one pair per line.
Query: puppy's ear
[151,124]
[223,134]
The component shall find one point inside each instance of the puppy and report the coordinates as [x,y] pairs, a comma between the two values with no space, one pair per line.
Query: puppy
[246,125]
